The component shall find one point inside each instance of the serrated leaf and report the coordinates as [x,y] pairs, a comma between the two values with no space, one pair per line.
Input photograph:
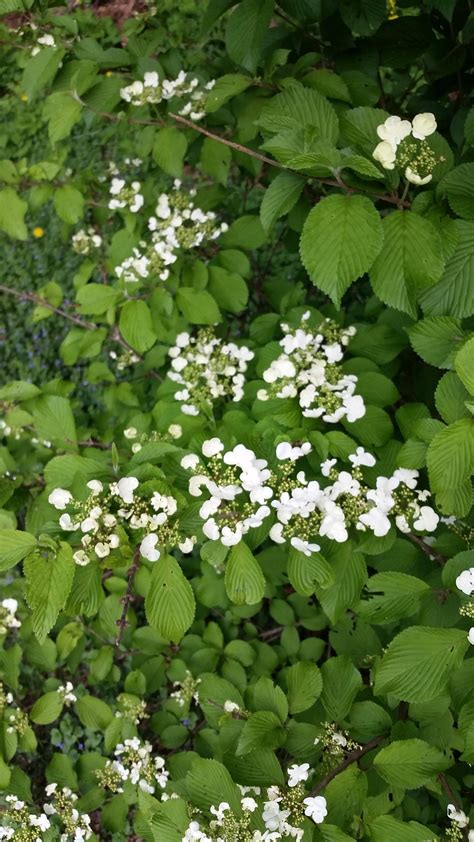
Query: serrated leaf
[282,194]
[62,112]
[198,306]
[48,584]
[450,398]
[14,546]
[169,149]
[94,713]
[458,186]
[305,684]
[341,683]
[169,603]
[47,708]
[464,365]
[40,70]
[244,580]
[391,596]
[435,339]
[69,204]
[450,463]
[54,420]
[226,88]
[418,663]
[215,160]
[359,128]
[300,108]
[246,29]
[410,261]
[12,214]
[262,730]
[341,238]
[306,573]
[208,783]
[136,326]
[409,764]
[390,829]
[454,294]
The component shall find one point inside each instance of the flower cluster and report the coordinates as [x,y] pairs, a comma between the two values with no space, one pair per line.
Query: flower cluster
[177,224]
[15,719]
[465,583]
[281,811]
[187,690]
[403,143]
[106,514]
[132,709]
[125,196]
[153,91]
[309,368]
[21,824]
[46,40]
[84,241]
[243,491]
[8,618]
[124,359]
[134,763]
[460,824]
[174,431]
[66,691]
[206,369]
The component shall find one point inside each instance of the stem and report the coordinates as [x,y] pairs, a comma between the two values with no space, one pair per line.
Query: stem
[128,597]
[453,800]
[352,757]
[36,299]
[426,549]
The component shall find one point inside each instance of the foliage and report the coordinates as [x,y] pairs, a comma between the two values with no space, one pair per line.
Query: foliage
[236,421]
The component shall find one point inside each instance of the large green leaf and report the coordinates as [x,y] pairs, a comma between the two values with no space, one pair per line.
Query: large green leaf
[305,684]
[262,730]
[14,545]
[454,294]
[54,420]
[246,29]
[409,764]
[341,238]
[136,326]
[48,584]
[300,108]
[410,261]
[450,462]
[418,663]
[41,69]
[208,783]
[436,339]
[169,603]
[244,580]
[341,683]
[12,214]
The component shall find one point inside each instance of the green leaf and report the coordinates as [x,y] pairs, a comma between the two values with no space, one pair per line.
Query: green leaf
[268,696]
[454,294]
[341,238]
[409,764]
[69,204]
[95,299]
[359,128]
[280,197]
[363,17]
[48,584]
[54,420]
[390,829]
[305,684]
[328,84]
[214,691]
[136,326]
[12,214]
[40,70]
[244,580]
[228,289]
[450,398]
[450,461]
[349,574]
[391,596]
[419,662]
[410,261]
[169,149]
[341,683]
[458,186]
[300,108]
[47,708]
[261,731]
[464,365]
[215,160]
[18,390]
[307,572]
[208,783]
[225,89]
[246,30]
[62,112]
[245,232]
[169,603]
[94,713]
[198,306]
[434,339]
[14,545]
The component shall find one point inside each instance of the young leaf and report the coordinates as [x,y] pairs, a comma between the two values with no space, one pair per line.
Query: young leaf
[48,583]
[244,580]
[169,603]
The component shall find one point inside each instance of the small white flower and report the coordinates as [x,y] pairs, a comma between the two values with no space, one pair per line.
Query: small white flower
[148,547]
[385,154]
[414,178]
[95,486]
[59,498]
[130,433]
[231,707]
[458,816]
[423,125]
[296,773]
[465,581]
[316,808]
[190,461]
[211,447]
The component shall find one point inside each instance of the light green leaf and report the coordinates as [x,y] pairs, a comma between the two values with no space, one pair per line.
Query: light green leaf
[12,214]
[47,708]
[169,149]
[14,545]
[94,713]
[136,326]
[246,29]
[262,730]
[341,238]
[48,584]
[69,204]
[228,289]
[305,684]
[418,663]
[226,88]
[95,299]
[458,186]
[198,306]
[450,463]
[282,194]
[410,261]
[169,603]
[450,398]
[244,580]
[409,764]
[40,70]
[208,783]
[436,339]
[349,574]
[464,365]
[245,232]
[62,112]
[54,420]
[454,294]
[307,572]
[328,84]
[341,683]
[215,160]
[299,108]
[391,596]
[268,696]
[390,829]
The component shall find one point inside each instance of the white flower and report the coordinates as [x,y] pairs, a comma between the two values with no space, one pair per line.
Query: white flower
[465,581]
[59,498]
[175,431]
[296,773]
[316,808]
[130,433]
[42,821]
[394,130]
[124,488]
[211,447]
[470,635]
[220,810]
[148,547]
[414,178]
[361,457]
[304,546]
[81,558]
[458,816]
[423,125]
[427,521]
[67,524]
[190,461]
[231,707]
[95,486]
[385,154]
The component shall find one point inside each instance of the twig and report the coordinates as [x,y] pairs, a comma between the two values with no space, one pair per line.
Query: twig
[128,597]
[36,299]
[426,549]
[352,757]
[453,800]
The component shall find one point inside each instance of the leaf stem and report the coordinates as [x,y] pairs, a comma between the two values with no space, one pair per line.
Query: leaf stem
[352,757]
[127,599]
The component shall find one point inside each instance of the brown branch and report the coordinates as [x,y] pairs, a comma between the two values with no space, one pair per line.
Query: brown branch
[36,299]
[449,792]
[128,597]
[426,549]
[352,757]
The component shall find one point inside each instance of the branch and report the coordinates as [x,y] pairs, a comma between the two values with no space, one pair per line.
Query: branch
[128,597]
[448,791]
[36,299]
[352,757]
[426,549]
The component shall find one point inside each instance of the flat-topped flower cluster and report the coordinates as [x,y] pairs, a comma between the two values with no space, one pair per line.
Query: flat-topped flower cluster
[153,90]
[124,195]
[207,368]
[134,763]
[177,224]
[109,516]
[244,491]
[280,810]
[19,822]
[309,368]
[403,143]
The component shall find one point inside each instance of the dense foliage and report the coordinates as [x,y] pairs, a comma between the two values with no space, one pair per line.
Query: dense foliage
[236,421]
